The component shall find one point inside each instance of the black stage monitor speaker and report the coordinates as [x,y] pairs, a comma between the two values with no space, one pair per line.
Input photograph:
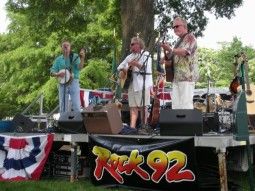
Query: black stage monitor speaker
[103,120]
[71,122]
[23,124]
[181,122]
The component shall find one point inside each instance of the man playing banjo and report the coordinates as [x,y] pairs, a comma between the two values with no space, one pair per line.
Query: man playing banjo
[66,69]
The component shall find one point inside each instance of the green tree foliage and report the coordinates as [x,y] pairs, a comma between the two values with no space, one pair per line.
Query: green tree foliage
[208,69]
[95,75]
[218,65]
[89,23]
[194,11]
[33,42]
[226,57]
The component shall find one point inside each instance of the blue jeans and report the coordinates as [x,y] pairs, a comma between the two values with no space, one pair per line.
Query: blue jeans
[72,89]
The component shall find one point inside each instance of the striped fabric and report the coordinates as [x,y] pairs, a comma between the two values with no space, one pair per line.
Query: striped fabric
[23,158]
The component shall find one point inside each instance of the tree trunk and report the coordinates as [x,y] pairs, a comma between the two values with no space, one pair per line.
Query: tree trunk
[137,16]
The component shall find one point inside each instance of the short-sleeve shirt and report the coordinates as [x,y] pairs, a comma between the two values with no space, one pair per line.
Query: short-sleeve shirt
[186,67]
[61,63]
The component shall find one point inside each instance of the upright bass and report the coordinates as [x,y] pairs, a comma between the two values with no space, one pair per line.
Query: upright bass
[154,114]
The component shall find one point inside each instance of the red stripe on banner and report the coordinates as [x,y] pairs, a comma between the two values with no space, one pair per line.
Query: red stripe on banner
[82,98]
[38,171]
[108,96]
[18,178]
[100,95]
[18,143]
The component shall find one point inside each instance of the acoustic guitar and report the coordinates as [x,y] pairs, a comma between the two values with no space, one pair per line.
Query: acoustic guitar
[235,87]
[169,66]
[169,60]
[127,77]
[250,99]
[249,90]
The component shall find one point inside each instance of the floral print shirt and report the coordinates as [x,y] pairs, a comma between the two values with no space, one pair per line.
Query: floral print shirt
[186,67]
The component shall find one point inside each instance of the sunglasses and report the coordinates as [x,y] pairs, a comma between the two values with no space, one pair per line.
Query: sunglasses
[176,26]
[132,44]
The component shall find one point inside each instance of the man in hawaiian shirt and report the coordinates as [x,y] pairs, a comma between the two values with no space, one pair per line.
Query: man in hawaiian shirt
[185,65]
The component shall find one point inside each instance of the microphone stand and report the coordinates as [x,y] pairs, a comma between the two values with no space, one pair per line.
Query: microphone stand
[64,96]
[160,69]
[208,88]
[144,73]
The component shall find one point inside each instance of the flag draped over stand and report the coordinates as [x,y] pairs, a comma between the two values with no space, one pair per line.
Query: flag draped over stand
[23,158]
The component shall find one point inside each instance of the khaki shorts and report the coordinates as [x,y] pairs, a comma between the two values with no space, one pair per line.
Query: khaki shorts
[135,98]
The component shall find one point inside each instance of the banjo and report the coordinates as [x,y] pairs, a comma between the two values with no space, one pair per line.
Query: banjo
[68,75]
[67,78]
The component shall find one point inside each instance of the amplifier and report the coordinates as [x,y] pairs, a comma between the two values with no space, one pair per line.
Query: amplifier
[181,122]
[103,120]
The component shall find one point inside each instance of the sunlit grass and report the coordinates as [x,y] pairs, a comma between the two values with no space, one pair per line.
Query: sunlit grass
[54,184]
[63,184]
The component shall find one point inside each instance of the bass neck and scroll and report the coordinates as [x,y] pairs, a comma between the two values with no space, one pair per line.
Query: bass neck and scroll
[153,118]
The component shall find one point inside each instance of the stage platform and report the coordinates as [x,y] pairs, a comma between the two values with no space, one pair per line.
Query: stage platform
[219,142]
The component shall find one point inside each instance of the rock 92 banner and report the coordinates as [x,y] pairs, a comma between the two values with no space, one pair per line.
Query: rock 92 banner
[157,164]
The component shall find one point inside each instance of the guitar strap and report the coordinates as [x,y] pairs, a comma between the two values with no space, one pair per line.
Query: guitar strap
[143,62]
[71,60]
[142,69]
[141,54]
[170,56]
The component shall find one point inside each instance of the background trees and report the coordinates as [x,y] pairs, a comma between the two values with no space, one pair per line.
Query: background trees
[37,27]
[218,64]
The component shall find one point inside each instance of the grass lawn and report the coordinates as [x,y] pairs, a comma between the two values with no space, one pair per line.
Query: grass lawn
[55,184]
[63,184]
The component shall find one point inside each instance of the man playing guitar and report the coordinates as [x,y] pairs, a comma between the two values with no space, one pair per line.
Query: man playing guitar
[139,63]
[183,58]
[66,68]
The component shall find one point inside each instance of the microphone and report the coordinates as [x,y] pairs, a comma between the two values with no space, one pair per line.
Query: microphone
[65,52]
